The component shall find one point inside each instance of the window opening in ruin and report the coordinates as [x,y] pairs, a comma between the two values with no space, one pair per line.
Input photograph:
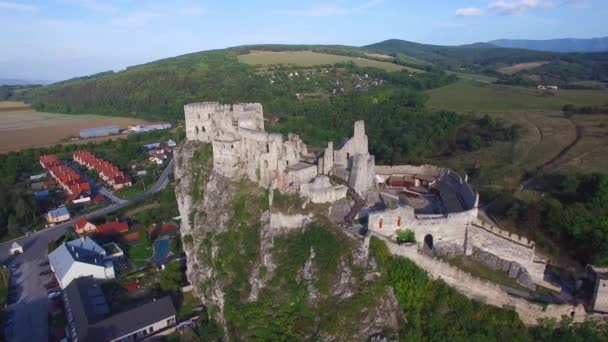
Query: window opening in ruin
[267,148]
[347,156]
[204,130]
[196,130]
[428,241]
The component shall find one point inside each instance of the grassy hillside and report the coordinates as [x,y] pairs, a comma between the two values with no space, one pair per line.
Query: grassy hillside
[467,95]
[311,58]
[485,58]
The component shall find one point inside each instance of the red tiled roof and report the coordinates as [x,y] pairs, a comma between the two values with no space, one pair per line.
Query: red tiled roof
[80,223]
[113,228]
[104,168]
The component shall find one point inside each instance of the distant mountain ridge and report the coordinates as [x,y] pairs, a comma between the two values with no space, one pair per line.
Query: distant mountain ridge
[17,81]
[556,45]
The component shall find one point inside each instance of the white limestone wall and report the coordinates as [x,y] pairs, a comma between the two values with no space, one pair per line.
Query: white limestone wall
[322,191]
[357,145]
[485,291]
[445,230]
[426,170]
[305,175]
[500,246]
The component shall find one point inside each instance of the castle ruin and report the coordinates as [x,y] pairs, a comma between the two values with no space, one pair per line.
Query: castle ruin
[437,204]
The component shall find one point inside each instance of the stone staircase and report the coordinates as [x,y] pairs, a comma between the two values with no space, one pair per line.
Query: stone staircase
[359,201]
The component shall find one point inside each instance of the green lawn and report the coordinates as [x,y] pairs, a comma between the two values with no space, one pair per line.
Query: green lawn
[140,252]
[309,58]
[188,304]
[132,191]
[468,95]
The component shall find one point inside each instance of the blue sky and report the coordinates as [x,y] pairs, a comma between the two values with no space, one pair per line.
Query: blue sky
[59,39]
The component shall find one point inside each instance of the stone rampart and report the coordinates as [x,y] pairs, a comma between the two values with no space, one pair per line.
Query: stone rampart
[425,170]
[483,290]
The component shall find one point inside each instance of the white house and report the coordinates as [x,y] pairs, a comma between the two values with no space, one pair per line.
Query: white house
[80,258]
[57,215]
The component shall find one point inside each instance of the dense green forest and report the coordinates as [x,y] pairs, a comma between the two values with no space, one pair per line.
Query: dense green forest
[574,213]
[401,130]
[485,58]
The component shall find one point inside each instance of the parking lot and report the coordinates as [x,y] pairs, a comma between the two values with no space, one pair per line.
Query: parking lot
[29,309]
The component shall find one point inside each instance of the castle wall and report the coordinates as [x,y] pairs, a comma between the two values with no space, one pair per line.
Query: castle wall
[357,145]
[445,230]
[500,246]
[426,170]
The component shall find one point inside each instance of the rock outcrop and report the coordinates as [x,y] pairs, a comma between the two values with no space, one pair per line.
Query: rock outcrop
[282,269]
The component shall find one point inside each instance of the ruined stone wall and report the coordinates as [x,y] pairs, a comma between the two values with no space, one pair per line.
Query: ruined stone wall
[484,291]
[241,147]
[425,170]
[447,232]
[357,145]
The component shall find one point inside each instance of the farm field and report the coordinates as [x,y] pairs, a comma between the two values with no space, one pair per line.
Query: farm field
[309,58]
[28,128]
[513,69]
[549,142]
[468,95]
[13,105]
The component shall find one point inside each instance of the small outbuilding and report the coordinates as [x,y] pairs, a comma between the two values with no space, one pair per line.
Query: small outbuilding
[16,248]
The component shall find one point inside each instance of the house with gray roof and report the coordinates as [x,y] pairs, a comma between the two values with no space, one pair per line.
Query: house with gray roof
[89,317]
[80,258]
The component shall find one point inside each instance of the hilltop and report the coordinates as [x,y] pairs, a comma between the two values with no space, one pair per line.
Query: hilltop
[556,45]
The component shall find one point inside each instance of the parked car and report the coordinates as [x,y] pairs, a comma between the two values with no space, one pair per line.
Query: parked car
[54,294]
[44,263]
[45,272]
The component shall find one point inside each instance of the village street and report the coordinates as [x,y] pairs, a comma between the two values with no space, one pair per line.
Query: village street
[31,308]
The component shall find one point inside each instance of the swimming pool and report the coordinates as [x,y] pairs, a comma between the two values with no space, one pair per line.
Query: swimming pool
[161,251]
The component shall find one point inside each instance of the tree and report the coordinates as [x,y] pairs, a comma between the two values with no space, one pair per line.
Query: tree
[144,237]
[171,277]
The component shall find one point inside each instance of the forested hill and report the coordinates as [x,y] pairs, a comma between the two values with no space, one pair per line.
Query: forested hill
[486,59]
[556,45]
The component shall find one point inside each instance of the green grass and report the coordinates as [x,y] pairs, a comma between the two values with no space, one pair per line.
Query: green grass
[467,95]
[140,252]
[474,77]
[132,191]
[309,58]
[187,306]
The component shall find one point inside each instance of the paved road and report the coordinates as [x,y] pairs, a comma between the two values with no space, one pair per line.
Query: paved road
[109,194]
[32,306]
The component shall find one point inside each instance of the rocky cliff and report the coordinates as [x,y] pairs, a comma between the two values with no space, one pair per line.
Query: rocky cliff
[270,266]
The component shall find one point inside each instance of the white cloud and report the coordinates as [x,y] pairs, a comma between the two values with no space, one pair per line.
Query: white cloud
[514,7]
[16,6]
[469,12]
[328,10]
[511,7]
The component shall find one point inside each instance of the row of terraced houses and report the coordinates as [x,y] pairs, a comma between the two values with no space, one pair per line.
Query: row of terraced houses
[66,177]
[106,170]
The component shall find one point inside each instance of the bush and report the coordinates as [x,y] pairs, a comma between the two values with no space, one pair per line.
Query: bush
[405,236]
